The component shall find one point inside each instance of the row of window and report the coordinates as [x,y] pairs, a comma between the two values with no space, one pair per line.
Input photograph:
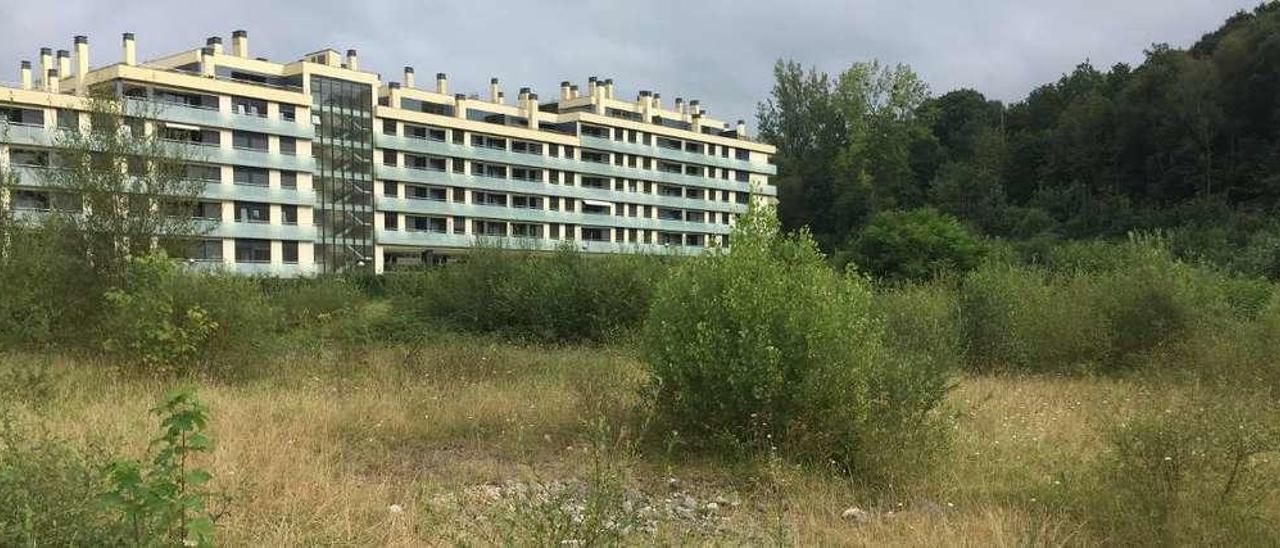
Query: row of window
[554,231]
[247,250]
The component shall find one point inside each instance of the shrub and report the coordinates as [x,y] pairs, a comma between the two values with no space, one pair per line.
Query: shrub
[564,296]
[170,319]
[47,490]
[915,245]
[766,346]
[1189,471]
[163,502]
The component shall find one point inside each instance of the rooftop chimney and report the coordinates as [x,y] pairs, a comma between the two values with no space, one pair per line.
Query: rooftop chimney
[742,129]
[24,74]
[64,63]
[206,61]
[240,44]
[408,77]
[680,106]
[524,94]
[442,83]
[82,64]
[494,93]
[573,91]
[130,51]
[459,111]
[214,42]
[592,85]
[565,91]
[46,64]
[353,60]
[608,88]
[657,100]
[51,81]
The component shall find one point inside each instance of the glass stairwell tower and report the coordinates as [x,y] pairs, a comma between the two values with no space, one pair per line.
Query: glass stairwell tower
[342,112]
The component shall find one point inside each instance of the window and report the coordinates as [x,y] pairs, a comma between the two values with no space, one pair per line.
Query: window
[31,200]
[696,171]
[669,144]
[68,119]
[459,195]
[486,141]
[595,131]
[488,170]
[289,146]
[288,113]
[289,250]
[489,228]
[490,199]
[249,140]
[205,173]
[672,191]
[553,203]
[459,225]
[595,209]
[741,176]
[595,157]
[595,234]
[389,127]
[595,182]
[526,202]
[670,214]
[695,194]
[390,188]
[288,179]
[743,155]
[29,157]
[432,193]
[391,221]
[695,217]
[390,158]
[211,211]
[438,225]
[526,230]
[696,148]
[252,212]
[250,176]
[289,214]
[526,174]
[207,250]
[526,147]
[253,251]
[249,107]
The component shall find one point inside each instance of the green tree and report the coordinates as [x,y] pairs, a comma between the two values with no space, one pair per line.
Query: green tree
[915,245]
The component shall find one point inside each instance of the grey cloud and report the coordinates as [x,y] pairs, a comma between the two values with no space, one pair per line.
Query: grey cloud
[720,51]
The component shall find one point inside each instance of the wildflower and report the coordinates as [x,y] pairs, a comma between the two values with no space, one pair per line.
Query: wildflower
[396,509]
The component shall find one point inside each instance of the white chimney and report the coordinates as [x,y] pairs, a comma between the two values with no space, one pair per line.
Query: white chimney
[565,91]
[64,63]
[240,43]
[459,105]
[46,65]
[408,77]
[742,129]
[130,51]
[215,42]
[51,81]
[24,74]
[592,85]
[608,88]
[442,83]
[207,64]
[353,60]
[574,92]
[657,101]
[494,93]
[82,64]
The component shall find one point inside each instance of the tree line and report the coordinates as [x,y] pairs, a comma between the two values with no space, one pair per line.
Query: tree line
[1188,138]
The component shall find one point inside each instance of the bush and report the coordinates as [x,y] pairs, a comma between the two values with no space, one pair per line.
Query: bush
[1189,471]
[560,297]
[48,491]
[915,245]
[171,319]
[766,346]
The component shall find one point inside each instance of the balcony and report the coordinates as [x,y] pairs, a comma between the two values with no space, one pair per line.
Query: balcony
[212,117]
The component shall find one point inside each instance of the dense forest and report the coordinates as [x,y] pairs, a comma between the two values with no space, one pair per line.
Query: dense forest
[1187,143]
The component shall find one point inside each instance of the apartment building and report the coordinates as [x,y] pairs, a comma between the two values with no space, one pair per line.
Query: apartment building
[319,166]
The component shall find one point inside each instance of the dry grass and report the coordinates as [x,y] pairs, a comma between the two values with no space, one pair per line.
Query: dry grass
[319,449]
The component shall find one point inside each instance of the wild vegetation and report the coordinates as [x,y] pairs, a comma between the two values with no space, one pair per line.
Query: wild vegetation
[929,380]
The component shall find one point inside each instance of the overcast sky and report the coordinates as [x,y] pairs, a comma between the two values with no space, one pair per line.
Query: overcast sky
[719,51]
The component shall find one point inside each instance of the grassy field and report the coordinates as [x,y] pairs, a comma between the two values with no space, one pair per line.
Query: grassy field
[466,440]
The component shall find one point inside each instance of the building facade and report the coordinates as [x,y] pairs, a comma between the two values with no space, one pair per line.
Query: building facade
[318,166]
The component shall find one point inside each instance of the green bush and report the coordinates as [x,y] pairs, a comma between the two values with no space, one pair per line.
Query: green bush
[48,491]
[171,319]
[564,296]
[765,346]
[915,245]
[1189,471]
